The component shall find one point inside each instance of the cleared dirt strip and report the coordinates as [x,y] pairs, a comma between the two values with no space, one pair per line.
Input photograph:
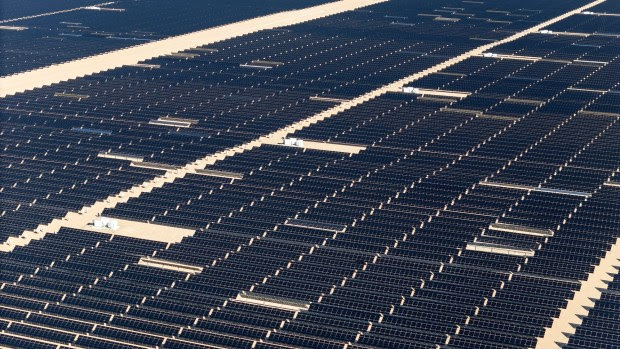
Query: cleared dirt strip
[584,299]
[91,212]
[56,73]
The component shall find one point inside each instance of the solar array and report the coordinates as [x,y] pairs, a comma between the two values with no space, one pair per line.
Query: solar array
[36,42]
[263,194]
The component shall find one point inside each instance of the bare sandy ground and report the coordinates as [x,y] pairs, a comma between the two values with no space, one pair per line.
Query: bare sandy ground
[138,230]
